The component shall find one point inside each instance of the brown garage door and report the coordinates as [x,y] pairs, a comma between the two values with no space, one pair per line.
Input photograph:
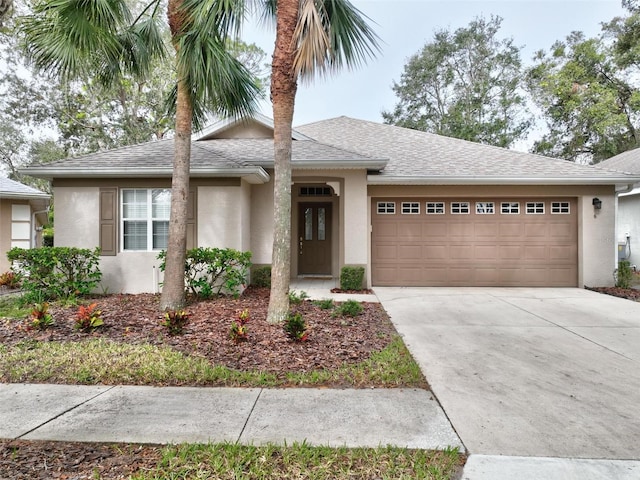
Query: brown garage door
[474,242]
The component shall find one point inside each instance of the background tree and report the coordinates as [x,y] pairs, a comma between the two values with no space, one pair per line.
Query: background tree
[312,37]
[465,84]
[588,92]
[5,10]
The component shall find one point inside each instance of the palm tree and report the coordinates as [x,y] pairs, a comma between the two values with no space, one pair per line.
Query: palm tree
[68,38]
[312,37]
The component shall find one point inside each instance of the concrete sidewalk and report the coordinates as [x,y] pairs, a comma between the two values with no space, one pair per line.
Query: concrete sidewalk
[355,418]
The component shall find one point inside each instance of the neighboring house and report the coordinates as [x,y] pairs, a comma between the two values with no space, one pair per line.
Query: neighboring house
[413,208]
[628,218]
[23,211]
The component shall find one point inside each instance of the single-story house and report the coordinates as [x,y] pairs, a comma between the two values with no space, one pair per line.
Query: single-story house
[413,208]
[23,212]
[628,219]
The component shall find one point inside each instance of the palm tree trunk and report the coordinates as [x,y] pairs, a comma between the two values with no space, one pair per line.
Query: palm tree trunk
[173,297]
[283,93]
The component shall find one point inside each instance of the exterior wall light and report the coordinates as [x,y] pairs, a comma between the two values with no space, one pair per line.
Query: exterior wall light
[597,203]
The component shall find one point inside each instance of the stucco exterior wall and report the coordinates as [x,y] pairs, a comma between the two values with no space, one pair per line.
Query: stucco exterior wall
[598,247]
[5,234]
[131,272]
[629,223]
[220,217]
[77,222]
[261,219]
[245,216]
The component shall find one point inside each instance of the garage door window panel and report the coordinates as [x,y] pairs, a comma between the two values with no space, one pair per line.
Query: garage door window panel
[485,208]
[560,208]
[410,208]
[435,208]
[510,208]
[386,208]
[460,208]
[535,208]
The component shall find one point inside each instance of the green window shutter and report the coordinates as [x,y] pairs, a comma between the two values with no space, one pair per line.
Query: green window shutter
[109,221]
[192,232]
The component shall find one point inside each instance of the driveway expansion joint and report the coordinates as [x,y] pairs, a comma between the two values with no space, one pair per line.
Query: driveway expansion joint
[253,407]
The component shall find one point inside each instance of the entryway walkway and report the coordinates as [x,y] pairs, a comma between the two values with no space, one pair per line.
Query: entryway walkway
[318,288]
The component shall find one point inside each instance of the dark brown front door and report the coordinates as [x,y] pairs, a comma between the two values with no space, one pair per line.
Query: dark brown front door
[314,239]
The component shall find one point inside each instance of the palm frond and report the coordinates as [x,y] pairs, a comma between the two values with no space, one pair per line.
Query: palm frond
[267,9]
[352,41]
[313,50]
[71,38]
[222,18]
[219,83]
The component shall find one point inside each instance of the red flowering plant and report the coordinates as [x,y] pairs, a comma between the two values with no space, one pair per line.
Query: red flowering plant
[239,331]
[88,318]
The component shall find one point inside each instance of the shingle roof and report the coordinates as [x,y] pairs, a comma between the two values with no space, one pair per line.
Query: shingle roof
[207,157]
[11,188]
[628,161]
[400,155]
[416,156]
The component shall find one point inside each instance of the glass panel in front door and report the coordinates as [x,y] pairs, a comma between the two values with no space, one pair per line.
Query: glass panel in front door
[321,224]
[308,224]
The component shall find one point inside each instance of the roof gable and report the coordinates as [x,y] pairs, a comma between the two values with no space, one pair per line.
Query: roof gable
[256,126]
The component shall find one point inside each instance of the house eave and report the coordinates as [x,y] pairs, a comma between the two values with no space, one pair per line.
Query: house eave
[496,180]
[334,165]
[25,196]
[254,175]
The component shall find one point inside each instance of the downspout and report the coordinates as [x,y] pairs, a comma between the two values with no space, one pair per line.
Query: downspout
[627,189]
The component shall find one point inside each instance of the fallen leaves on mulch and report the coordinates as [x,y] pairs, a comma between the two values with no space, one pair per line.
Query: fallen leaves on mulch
[27,460]
[628,293]
[333,340]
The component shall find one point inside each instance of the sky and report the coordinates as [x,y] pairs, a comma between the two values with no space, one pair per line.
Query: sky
[405,26]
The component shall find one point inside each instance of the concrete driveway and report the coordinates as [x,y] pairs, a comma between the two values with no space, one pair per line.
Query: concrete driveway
[530,372]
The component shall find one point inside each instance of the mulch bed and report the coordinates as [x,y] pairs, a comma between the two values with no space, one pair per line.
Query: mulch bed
[26,460]
[135,319]
[628,293]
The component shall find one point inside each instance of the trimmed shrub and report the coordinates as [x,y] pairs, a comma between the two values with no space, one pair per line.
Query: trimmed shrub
[210,272]
[351,278]
[350,308]
[261,276]
[50,273]
[624,274]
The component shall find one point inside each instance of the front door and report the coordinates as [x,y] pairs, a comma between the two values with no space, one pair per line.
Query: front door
[314,239]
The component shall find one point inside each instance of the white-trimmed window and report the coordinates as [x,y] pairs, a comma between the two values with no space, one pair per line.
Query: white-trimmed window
[410,208]
[435,208]
[386,208]
[459,208]
[535,208]
[510,208]
[145,218]
[485,208]
[561,208]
